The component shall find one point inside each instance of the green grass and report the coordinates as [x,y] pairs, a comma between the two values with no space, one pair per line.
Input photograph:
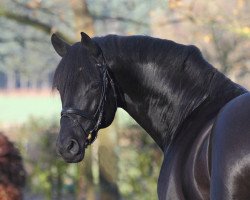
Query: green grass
[17,109]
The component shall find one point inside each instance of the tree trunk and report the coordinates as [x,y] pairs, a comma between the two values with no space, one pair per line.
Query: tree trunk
[59,183]
[11,81]
[83,20]
[23,81]
[85,185]
[108,164]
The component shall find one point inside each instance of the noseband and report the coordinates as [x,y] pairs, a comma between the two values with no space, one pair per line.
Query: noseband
[96,120]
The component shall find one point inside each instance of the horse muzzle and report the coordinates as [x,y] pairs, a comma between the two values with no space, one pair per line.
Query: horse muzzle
[70,150]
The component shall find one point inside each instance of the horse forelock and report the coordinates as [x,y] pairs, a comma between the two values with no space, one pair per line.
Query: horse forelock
[75,67]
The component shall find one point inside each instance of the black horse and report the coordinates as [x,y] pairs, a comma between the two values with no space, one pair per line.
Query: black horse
[197,116]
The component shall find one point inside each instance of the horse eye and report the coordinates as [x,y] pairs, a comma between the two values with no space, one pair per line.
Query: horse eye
[95,85]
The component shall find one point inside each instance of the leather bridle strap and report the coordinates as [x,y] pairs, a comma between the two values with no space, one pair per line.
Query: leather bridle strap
[75,122]
[66,111]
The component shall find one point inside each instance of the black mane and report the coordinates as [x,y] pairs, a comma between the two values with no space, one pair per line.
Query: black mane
[183,79]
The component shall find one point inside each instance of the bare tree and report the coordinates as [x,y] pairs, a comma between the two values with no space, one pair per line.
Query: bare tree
[223,37]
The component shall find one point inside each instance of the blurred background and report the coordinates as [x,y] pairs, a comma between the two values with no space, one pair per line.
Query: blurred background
[124,162]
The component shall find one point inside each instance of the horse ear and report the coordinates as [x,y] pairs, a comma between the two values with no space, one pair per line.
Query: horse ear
[59,45]
[87,42]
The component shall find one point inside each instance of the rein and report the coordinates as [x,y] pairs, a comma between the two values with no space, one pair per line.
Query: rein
[96,120]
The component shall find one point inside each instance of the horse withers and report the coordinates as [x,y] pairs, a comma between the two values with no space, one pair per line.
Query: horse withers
[197,116]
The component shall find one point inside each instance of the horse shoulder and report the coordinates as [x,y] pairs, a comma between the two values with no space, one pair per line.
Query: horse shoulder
[230,156]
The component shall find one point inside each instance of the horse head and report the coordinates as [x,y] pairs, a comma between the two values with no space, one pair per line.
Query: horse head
[87,93]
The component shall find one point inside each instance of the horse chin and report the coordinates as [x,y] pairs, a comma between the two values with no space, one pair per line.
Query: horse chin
[77,158]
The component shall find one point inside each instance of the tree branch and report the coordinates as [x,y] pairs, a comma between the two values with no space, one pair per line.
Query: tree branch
[46,28]
[118,18]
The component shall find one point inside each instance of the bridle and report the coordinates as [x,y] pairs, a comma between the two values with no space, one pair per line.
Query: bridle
[96,120]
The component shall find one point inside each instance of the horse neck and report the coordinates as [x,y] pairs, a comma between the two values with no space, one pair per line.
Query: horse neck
[157,91]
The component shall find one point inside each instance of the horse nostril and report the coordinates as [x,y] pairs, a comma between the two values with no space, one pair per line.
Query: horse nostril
[73,147]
